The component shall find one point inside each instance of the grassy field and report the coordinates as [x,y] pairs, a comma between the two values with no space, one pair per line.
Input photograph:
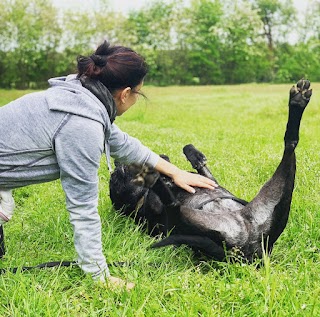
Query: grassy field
[240,129]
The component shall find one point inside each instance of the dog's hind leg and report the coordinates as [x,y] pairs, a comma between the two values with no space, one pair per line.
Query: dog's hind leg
[269,210]
[203,244]
[299,98]
[198,161]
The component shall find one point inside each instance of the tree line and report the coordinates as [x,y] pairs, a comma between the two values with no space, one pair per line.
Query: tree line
[203,42]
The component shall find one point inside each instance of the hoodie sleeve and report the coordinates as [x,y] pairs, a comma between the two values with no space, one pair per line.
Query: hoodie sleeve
[78,146]
[126,149]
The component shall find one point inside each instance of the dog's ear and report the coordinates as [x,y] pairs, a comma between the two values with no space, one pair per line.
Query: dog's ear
[134,169]
[143,175]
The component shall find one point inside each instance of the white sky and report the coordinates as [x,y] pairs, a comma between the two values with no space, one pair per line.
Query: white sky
[118,5]
[127,5]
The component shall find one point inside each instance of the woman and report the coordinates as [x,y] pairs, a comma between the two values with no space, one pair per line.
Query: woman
[62,133]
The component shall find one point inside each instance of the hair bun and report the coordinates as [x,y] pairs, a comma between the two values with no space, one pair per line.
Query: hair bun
[104,49]
[116,67]
[99,60]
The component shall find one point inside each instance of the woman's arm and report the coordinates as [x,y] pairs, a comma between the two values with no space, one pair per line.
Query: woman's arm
[127,149]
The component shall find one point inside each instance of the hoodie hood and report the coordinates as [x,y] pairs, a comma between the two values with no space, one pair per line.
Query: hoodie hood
[66,94]
[102,93]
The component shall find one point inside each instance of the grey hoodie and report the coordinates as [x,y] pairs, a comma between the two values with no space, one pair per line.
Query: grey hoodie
[62,133]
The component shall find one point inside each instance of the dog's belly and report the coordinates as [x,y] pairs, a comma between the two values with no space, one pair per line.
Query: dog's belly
[219,225]
[219,205]
[213,202]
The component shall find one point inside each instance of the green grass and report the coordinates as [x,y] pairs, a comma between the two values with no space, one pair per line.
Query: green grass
[240,129]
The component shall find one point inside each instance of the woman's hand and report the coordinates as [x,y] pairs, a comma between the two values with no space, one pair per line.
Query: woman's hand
[116,282]
[184,179]
[188,180]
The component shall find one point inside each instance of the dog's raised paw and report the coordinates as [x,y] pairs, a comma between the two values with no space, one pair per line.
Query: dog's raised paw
[300,93]
[195,157]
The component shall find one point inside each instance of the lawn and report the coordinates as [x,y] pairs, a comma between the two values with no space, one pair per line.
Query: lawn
[240,129]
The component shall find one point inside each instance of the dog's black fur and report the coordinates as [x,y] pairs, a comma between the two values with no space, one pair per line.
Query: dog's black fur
[214,222]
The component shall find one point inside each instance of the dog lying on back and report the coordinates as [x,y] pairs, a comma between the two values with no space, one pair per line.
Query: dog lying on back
[214,222]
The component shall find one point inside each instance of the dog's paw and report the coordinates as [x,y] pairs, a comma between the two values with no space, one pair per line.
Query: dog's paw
[300,94]
[195,157]
[143,175]
[165,157]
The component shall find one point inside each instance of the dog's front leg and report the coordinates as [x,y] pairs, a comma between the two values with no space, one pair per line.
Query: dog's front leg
[198,161]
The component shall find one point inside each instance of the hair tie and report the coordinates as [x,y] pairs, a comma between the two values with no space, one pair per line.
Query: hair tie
[98,60]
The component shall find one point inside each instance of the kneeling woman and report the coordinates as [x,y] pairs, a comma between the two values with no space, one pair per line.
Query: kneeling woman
[62,133]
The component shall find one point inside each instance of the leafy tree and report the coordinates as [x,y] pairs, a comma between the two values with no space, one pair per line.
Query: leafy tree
[150,32]
[204,42]
[243,51]
[29,35]
[196,37]
[152,25]
[290,67]
[311,25]
[84,30]
[278,18]
[38,42]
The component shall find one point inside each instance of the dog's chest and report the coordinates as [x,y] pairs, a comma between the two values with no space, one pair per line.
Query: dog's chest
[211,202]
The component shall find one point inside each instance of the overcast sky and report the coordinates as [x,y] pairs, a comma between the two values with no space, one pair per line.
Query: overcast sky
[127,5]
[118,5]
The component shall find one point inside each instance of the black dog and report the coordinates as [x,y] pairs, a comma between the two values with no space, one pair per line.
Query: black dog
[214,222]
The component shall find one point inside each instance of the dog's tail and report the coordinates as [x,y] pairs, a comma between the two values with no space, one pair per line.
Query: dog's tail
[204,244]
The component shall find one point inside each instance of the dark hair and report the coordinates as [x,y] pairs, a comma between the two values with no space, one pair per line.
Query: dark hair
[115,66]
